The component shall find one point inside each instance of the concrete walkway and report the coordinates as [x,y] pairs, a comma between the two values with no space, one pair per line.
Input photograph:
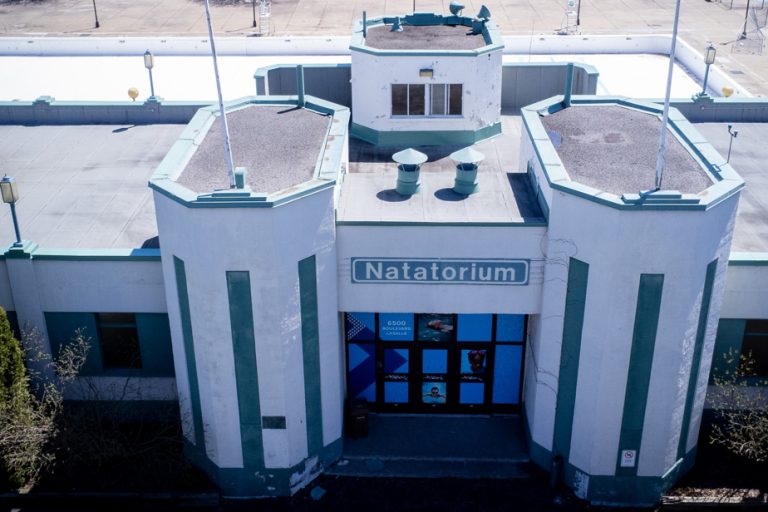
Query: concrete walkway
[701,21]
[438,446]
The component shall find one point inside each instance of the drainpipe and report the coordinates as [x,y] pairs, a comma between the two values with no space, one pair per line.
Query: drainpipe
[300,85]
[568,86]
[365,24]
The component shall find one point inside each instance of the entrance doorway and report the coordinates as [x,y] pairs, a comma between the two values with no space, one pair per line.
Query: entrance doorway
[436,363]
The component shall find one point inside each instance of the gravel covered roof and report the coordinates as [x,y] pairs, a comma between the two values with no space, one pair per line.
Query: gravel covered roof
[424,37]
[614,149]
[277,145]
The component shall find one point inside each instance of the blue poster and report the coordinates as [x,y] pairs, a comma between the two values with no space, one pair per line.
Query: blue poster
[510,327]
[396,326]
[360,326]
[433,392]
[436,327]
[475,327]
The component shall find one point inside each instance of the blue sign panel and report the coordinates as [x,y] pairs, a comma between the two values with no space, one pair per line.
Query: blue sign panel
[440,271]
[396,326]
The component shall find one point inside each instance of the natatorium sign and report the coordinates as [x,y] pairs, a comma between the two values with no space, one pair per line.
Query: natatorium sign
[439,271]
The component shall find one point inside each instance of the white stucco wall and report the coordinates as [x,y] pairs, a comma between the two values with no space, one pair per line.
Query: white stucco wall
[268,243]
[619,246]
[372,76]
[515,242]
[100,286]
[746,292]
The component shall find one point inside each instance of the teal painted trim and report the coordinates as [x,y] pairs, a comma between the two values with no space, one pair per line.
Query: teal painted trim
[539,223]
[155,344]
[267,482]
[246,367]
[97,254]
[570,351]
[640,364]
[728,183]
[61,329]
[171,191]
[634,491]
[423,137]
[189,352]
[428,53]
[490,32]
[310,341]
[701,332]
[263,71]
[748,259]
[24,252]
[730,338]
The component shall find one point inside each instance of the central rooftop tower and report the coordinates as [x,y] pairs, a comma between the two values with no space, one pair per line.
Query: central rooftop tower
[426,79]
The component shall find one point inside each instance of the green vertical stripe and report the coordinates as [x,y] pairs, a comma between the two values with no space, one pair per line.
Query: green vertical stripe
[701,332]
[189,351]
[246,375]
[310,340]
[575,302]
[640,363]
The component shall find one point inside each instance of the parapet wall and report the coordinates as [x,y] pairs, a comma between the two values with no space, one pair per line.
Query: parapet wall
[521,83]
[46,111]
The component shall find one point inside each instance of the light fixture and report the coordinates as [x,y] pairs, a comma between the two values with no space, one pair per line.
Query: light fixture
[10,194]
[426,73]
[149,63]
[709,59]
[710,56]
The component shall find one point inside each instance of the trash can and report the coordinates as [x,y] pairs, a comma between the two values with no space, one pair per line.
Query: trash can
[357,419]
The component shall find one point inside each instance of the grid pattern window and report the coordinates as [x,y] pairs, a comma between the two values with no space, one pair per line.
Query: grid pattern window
[412,99]
[756,345]
[119,340]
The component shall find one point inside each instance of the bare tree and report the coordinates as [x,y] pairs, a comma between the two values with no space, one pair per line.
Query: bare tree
[740,403]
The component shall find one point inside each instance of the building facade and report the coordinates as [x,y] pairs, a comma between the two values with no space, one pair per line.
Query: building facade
[565,287]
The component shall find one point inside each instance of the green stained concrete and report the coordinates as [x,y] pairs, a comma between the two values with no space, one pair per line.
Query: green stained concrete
[246,373]
[640,364]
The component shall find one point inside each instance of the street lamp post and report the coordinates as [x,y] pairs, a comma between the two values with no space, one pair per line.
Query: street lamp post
[746,17]
[733,133]
[253,6]
[95,14]
[149,63]
[10,195]
[709,59]
[578,14]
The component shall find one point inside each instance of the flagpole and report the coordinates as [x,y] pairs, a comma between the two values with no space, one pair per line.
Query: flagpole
[665,116]
[222,115]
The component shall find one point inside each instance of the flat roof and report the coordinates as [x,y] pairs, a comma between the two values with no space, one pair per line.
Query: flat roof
[504,195]
[747,159]
[84,186]
[424,37]
[278,146]
[614,148]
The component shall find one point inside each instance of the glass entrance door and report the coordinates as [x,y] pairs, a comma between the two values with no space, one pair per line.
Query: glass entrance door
[436,362]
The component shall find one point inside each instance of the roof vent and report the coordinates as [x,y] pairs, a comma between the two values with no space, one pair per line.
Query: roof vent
[456,8]
[466,170]
[409,163]
[396,26]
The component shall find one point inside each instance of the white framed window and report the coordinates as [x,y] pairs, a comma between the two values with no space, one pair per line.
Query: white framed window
[445,99]
[413,99]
